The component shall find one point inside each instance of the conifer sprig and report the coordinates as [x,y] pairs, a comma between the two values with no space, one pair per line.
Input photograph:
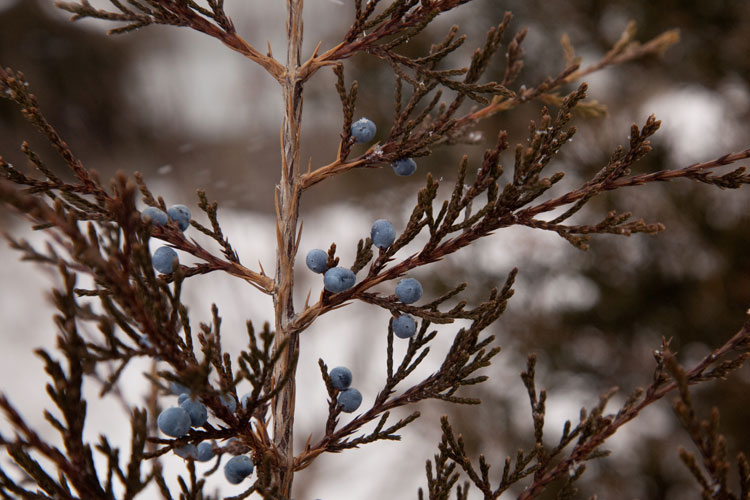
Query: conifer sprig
[95,231]
[543,466]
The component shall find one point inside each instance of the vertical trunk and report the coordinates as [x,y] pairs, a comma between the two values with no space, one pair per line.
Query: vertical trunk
[287,208]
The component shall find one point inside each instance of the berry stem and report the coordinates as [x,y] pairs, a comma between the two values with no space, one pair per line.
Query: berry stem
[287,214]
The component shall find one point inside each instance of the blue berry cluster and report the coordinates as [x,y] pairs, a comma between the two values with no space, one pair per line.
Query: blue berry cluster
[408,291]
[164,257]
[349,398]
[177,421]
[202,453]
[336,279]
[177,213]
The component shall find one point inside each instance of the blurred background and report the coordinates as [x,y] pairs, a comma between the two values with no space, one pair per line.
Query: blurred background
[188,113]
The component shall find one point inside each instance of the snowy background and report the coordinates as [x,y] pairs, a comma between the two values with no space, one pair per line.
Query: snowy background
[198,115]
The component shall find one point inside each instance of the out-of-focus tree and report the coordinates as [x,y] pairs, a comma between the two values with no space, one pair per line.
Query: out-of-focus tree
[689,284]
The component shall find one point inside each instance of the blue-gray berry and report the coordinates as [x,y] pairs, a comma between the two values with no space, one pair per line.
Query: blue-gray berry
[382,233]
[187,451]
[363,130]
[238,468]
[404,326]
[341,378]
[404,166]
[174,422]
[229,402]
[349,400]
[317,260]
[163,259]
[197,411]
[178,389]
[338,279]
[181,215]
[182,397]
[408,290]
[205,451]
[155,215]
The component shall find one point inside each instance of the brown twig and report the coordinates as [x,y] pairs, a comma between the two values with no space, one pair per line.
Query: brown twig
[657,390]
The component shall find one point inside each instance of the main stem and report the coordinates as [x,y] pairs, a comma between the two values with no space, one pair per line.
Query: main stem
[287,213]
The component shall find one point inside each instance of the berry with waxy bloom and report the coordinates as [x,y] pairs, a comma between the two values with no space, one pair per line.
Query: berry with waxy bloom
[404,166]
[317,260]
[155,215]
[164,258]
[341,378]
[174,422]
[238,468]
[181,215]
[363,130]
[197,411]
[408,290]
[349,400]
[338,279]
[404,326]
[205,451]
[229,402]
[382,233]
[187,451]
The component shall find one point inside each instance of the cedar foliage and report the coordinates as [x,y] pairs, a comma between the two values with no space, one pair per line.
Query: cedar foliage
[96,231]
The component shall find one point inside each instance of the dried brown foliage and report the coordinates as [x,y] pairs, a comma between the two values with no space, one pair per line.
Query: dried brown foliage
[95,230]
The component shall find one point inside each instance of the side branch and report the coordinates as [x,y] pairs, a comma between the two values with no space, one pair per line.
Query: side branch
[502,217]
[261,281]
[657,390]
[213,22]
[401,18]
[698,171]
[625,50]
